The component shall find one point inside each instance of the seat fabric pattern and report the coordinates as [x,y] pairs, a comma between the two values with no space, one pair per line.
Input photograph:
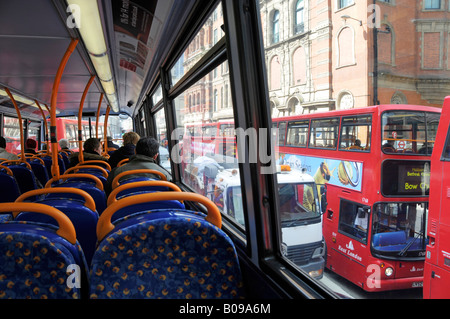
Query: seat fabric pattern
[34,261]
[153,256]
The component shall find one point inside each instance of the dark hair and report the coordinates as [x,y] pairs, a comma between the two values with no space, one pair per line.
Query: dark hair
[91,144]
[147,146]
[30,143]
[2,142]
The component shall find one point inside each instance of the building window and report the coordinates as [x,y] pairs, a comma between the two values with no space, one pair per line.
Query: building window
[299,18]
[299,66]
[432,4]
[346,47]
[276,27]
[344,3]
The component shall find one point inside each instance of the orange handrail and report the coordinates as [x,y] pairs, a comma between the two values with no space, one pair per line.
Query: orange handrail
[99,162]
[57,81]
[105,132]
[80,116]
[122,162]
[117,190]
[7,169]
[98,182]
[98,115]
[45,125]
[115,181]
[17,162]
[78,167]
[104,225]
[88,201]
[66,228]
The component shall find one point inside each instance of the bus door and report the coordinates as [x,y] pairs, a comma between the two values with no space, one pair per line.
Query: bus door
[347,248]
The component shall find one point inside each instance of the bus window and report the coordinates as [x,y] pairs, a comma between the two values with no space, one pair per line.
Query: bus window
[446,151]
[324,133]
[409,132]
[354,220]
[355,133]
[199,46]
[11,133]
[281,133]
[398,229]
[297,133]
[161,133]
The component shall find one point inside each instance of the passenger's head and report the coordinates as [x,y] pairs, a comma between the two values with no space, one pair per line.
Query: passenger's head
[2,142]
[147,146]
[130,138]
[30,143]
[92,145]
[63,143]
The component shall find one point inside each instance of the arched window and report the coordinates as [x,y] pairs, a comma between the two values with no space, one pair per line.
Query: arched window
[275,73]
[299,66]
[346,47]
[215,100]
[299,26]
[276,27]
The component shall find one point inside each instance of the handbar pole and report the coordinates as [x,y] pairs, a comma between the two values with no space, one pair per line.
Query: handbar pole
[80,115]
[57,81]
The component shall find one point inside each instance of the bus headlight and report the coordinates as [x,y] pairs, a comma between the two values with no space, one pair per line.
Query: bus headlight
[389,271]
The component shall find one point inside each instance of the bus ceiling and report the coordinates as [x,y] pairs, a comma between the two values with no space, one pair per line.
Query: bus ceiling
[120,44]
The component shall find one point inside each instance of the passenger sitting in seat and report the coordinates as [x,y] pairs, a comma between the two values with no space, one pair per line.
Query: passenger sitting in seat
[92,148]
[30,146]
[147,150]
[3,153]
[130,140]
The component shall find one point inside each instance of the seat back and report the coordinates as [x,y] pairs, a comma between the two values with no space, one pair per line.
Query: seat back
[80,208]
[167,253]
[87,182]
[135,188]
[9,189]
[39,170]
[26,180]
[35,258]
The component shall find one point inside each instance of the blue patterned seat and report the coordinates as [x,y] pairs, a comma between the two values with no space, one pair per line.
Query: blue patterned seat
[87,182]
[81,212]
[169,254]
[36,257]
[141,187]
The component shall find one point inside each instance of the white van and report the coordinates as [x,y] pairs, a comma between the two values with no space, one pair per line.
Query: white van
[301,218]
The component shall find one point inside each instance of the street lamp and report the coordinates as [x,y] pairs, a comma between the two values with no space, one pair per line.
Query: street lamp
[345,17]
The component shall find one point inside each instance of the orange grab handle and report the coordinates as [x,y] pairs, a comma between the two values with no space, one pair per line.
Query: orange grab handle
[34,157]
[7,169]
[78,167]
[66,229]
[112,196]
[122,162]
[115,181]
[18,162]
[105,226]
[88,201]
[98,182]
[106,164]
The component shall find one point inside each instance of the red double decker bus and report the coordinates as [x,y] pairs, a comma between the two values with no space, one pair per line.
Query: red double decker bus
[436,278]
[375,164]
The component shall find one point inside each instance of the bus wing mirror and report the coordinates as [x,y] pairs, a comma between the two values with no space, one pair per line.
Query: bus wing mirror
[323,199]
